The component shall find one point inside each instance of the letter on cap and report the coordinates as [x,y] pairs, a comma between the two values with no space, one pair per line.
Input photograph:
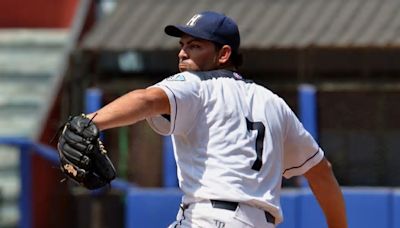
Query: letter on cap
[193,20]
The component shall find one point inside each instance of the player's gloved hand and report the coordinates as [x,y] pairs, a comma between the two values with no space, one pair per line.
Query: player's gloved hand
[83,157]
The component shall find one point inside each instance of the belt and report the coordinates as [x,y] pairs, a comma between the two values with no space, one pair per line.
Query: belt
[228,205]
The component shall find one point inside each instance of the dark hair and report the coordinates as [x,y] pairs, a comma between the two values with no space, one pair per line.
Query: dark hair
[236,58]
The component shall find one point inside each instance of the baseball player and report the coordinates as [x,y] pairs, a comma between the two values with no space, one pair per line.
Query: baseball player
[233,139]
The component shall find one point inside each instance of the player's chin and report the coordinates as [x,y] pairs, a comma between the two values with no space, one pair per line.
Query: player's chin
[186,67]
[182,67]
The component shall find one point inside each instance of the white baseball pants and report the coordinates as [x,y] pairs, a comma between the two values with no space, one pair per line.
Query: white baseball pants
[204,215]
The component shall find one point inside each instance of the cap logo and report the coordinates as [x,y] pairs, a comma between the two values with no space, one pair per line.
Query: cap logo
[192,22]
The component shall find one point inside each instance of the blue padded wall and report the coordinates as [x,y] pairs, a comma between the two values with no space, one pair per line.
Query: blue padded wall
[151,208]
[309,214]
[395,216]
[289,204]
[368,207]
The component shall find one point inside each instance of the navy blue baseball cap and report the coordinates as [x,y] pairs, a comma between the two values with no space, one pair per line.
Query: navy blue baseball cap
[210,26]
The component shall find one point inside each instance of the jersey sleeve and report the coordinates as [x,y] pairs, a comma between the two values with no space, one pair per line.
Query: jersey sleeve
[301,151]
[183,94]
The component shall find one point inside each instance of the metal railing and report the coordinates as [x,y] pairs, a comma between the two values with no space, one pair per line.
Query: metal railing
[27,147]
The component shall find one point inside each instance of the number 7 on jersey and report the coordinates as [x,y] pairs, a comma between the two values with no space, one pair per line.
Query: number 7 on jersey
[260,128]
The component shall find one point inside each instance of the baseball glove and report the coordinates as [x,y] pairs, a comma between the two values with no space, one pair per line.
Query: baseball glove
[83,158]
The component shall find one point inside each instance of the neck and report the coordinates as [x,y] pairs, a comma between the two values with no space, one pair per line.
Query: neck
[227,67]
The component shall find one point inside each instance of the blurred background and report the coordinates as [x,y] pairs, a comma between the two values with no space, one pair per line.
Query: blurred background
[65,57]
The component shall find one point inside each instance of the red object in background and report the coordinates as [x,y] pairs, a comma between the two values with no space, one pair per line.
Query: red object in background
[50,202]
[37,13]
[49,195]
[47,192]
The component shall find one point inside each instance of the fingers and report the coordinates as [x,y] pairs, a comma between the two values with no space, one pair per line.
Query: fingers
[72,154]
[76,141]
[83,126]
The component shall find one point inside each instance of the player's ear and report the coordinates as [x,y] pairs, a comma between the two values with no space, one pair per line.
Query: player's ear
[224,54]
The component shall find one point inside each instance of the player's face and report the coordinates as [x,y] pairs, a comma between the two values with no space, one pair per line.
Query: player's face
[197,54]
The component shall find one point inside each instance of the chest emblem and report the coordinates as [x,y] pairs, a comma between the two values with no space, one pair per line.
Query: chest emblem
[178,77]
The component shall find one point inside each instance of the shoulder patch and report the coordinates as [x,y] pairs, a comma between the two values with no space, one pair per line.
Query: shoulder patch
[177,77]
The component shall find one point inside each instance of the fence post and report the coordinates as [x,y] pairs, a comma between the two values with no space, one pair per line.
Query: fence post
[169,166]
[93,102]
[26,186]
[308,114]
[308,108]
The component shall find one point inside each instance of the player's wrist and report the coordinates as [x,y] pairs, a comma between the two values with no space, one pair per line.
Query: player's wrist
[93,117]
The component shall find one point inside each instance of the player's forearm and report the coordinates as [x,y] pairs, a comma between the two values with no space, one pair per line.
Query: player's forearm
[329,195]
[332,203]
[131,108]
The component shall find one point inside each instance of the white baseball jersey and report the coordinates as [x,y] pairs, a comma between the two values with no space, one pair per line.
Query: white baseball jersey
[233,139]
